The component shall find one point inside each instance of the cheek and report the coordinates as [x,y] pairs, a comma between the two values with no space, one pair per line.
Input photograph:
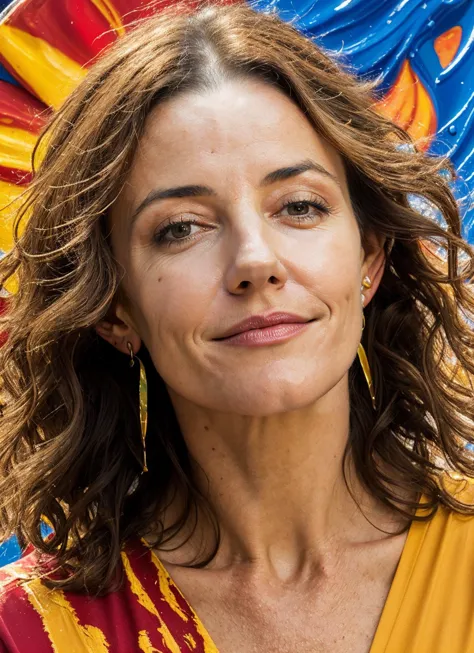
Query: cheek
[173,301]
[328,265]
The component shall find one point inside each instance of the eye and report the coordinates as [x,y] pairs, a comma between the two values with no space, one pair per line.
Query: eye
[176,232]
[305,209]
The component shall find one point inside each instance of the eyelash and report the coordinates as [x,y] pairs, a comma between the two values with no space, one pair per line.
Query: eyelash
[159,236]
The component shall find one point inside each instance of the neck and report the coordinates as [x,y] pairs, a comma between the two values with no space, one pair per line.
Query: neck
[276,483]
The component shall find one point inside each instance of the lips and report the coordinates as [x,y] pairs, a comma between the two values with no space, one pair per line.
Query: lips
[262,321]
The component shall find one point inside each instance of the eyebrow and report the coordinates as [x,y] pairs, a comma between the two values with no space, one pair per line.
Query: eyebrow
[194,190]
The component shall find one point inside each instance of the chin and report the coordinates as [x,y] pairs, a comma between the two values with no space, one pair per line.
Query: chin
[271,399]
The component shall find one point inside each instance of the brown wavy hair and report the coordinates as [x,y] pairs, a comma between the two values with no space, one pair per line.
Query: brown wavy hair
[70,437]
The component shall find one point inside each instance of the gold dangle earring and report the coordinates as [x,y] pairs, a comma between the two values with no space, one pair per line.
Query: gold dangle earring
[143,397]
[366,283]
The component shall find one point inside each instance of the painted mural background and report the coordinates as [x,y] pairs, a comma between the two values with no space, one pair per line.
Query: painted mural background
[422,52]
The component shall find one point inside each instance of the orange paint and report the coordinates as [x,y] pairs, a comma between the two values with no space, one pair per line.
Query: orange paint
[398,104]
[447,45]
[410,106]
[424,122]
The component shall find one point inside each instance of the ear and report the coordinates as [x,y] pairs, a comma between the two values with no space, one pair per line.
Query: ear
[118,330]
[373,265]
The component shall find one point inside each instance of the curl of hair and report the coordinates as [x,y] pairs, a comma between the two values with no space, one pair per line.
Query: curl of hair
[69,435]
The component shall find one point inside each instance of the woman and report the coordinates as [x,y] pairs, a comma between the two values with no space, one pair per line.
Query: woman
[218,214]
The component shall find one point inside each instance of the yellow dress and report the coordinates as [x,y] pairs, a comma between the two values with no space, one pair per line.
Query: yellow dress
[430,606]
[429,609]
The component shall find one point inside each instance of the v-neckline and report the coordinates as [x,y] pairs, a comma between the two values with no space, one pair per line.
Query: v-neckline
[400,582]
[392,603]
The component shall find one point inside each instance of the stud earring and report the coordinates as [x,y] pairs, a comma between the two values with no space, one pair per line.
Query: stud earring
[143,399]
[366,283]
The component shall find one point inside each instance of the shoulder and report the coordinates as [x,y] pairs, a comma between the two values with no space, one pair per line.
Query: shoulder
[18,616]
[447,539]
[14,575]
[35,618]
[456,510]
[431,601]
[459,491]
[460,487]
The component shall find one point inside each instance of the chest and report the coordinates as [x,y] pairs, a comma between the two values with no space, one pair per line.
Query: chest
[339,617]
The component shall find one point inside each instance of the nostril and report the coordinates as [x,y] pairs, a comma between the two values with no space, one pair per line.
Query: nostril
[244,284]
[273,280]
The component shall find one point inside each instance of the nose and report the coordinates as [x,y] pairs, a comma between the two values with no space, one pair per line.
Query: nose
[254,263]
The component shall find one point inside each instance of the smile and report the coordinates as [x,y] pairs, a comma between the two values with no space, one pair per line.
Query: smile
[268,335]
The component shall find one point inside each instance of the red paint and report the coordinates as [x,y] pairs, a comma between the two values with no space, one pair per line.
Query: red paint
[19,109]
[14,176]
[78,29]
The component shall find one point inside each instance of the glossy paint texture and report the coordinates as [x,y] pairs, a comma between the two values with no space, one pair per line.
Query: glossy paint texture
[423,51]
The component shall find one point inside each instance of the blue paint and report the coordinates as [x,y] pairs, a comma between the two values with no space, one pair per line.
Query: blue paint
[10,551]
[4,74]
[6,77]
[377,37]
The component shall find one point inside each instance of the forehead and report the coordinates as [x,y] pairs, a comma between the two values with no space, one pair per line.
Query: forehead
[238,132]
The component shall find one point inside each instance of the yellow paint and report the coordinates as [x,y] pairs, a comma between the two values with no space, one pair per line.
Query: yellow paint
[165,588]
[12,285]
[13,572]
[8,210]
[41,149]
[146,602]
[144,643]
[190,640]
[10,193]
[111,15]
[49,72]
[209,646]
[61,623]
[16,147]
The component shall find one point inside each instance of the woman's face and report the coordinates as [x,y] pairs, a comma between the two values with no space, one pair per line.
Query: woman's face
[235,207]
